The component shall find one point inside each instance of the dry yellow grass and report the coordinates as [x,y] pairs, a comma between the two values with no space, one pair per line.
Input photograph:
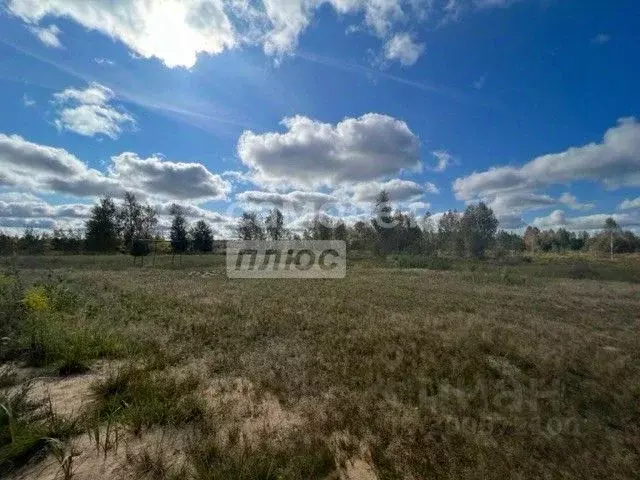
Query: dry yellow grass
[486,372]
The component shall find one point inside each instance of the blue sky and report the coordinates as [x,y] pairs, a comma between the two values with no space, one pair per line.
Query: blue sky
[223,105]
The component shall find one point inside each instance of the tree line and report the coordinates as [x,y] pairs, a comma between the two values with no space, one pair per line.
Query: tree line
[131,227]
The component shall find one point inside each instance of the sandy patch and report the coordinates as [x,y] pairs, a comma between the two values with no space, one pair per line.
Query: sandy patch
[259,417]
[91,462]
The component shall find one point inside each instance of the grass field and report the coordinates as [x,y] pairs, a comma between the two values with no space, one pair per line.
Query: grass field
[509,369]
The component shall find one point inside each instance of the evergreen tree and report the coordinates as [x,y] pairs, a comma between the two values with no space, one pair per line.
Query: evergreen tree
[178,235]
[102,227]
[201,237]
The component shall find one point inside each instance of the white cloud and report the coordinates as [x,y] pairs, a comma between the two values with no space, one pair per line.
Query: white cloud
[402,48]
[601,39]
[38,208]
[615,161]
[630,204]
[104,61]
[558,219]
[177,31]
[28,101]
[572,202]
[275,199]
[158,177]
[311,153]
[510,206]
[444,160]
[398,190]
[47,35]
[418,206]
[89,112]
[479,83]
[40,168]
[174,31]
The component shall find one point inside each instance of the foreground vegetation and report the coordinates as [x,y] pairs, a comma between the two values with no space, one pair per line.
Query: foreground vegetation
[417,368]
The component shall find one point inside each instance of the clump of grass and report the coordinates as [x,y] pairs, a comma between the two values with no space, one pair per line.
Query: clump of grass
[26,427]
[141,398]
[152,464]
[291,461]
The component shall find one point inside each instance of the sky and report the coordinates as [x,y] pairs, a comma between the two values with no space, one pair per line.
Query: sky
[531,106]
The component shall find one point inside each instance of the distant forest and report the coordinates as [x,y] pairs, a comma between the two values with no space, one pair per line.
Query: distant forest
[131,227]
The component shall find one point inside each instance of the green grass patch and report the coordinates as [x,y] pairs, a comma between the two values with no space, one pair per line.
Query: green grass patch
[142,398]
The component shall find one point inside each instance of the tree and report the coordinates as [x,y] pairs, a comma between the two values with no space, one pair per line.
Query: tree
[509,242]
[340,231]
[320,228]
[383,223]
[201,237]
[362,236]
[275,225]
[611,227]
[136,223]
[32,243]
[449,234]
[249,227]
[67,241]
[531,235]
[478,227]
[7,244]
[178,234]
[102,227]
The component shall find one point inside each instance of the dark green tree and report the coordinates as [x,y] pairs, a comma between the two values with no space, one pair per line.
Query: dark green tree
[179,232]
[201,237]
[102,227]
[383,223]
[478,227]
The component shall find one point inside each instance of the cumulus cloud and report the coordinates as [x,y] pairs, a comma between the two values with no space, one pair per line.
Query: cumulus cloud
[174,31]
[170,179]
[558,219]
[402,48]
[47,35]
[311,153]
[37,208]
[572,202]
[398,190]
[39,168]
[510,206]
[177,31]
[19,210]
[89,112]
[630,204]
[276,199]
[615,161]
